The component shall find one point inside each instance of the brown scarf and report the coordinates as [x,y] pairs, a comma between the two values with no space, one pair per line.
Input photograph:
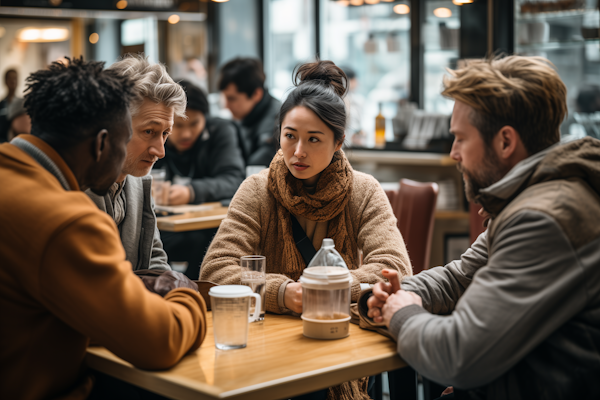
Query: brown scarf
[328,203]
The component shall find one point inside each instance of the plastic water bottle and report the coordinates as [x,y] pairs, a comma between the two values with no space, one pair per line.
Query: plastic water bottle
[327,256]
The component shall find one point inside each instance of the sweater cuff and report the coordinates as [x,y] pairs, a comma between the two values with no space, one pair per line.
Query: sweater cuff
[192,193]
[402,315]
[281,297]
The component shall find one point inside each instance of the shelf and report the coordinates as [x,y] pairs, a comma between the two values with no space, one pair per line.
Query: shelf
[550,15]
[554,45]
[400,158]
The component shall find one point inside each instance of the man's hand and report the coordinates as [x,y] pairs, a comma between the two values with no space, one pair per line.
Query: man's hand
[168,281]
[293,297]
[396,301]
[179,194]
[381,292]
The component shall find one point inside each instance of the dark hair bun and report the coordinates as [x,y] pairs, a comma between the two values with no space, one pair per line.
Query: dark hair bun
[325,72]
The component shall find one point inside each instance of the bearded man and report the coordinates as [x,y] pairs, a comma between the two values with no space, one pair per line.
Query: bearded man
[157,99]
[518,316]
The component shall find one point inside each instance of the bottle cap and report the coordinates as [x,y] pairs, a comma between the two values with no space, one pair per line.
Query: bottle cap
[327,242]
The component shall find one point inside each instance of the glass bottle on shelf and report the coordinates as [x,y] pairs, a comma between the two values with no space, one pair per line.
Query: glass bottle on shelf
[380,129]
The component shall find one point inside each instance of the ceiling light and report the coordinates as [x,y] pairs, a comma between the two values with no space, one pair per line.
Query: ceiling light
[401,9]
[41,35]
[461,2]
[94,37]
[356,2]
[371,1]
[122,4]
[54,34]
[173,19]
[442,12]
[220,1]
[343,3]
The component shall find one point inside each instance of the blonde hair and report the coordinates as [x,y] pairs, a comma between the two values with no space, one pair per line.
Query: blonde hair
[523,92]
[151,81]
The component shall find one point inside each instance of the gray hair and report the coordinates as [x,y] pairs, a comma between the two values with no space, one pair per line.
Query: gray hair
[151,81]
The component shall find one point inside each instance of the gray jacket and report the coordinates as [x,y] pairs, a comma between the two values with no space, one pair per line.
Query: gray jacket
[139,234]
[518,316]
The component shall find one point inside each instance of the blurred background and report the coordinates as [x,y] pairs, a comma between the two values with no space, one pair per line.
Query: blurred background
[394,52]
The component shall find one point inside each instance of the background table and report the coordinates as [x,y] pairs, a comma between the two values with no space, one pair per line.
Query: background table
[192,217]
[278,363]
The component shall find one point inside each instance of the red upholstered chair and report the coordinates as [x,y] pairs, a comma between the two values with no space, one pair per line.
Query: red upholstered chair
[476,227]
[414,206]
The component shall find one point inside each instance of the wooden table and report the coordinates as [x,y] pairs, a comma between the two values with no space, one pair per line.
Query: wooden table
[278,363]
[203,216]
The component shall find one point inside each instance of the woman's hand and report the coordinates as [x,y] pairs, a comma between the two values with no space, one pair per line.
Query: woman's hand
[292,299]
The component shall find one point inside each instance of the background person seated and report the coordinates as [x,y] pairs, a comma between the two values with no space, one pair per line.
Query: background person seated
[518,316]
[204,162]
[11,80]
[157,99]
[63,274]
[242,83]
[203,159]
[18,119]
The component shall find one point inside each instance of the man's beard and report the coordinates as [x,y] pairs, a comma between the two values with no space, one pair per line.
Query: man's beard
[131,165]
[490,172]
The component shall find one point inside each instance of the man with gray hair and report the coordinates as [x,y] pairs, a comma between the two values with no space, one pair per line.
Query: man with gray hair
[129,202]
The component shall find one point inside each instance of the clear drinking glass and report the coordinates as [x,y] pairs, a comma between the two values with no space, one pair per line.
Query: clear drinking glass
[160,187]
[254,276]
[230,306]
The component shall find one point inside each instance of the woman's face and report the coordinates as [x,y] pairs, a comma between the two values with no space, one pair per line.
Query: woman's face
[307,143]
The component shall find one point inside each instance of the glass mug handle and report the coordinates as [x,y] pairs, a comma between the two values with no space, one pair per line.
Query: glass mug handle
[257,308]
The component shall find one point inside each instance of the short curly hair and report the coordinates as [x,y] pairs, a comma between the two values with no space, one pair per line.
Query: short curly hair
[151,81]
[523,92]
[72,99]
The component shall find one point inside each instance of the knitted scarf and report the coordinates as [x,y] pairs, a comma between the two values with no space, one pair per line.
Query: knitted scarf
[328,203]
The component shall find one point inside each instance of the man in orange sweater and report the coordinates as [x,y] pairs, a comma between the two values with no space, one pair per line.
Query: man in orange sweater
[63,273]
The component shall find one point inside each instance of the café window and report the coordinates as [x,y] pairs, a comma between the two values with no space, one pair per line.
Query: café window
[289,41]
[372,43]
[440,33]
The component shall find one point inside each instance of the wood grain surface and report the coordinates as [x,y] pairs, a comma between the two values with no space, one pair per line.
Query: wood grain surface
[279,362]
[191,221]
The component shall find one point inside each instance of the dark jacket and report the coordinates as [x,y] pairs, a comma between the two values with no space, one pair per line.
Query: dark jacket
[258,130]
[520,312]
[214,163]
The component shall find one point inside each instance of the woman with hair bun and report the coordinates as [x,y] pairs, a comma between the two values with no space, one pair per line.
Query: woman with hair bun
[310,180]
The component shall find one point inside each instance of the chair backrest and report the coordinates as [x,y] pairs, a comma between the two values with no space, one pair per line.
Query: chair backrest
[414,207]
[203,288]
[476,221]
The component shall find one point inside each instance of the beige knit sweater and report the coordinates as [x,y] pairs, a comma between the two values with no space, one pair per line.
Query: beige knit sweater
[245,228]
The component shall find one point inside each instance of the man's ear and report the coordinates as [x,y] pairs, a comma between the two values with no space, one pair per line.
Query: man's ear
[257,95]
[100,144]
[507,142]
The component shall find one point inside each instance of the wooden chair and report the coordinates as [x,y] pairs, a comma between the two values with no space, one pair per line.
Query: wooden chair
[414,206]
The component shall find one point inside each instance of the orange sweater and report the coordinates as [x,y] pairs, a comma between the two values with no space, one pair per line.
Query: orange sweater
[64,278]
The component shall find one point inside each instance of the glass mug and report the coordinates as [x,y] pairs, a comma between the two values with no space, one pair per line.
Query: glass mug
[255,277]
[230,306]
